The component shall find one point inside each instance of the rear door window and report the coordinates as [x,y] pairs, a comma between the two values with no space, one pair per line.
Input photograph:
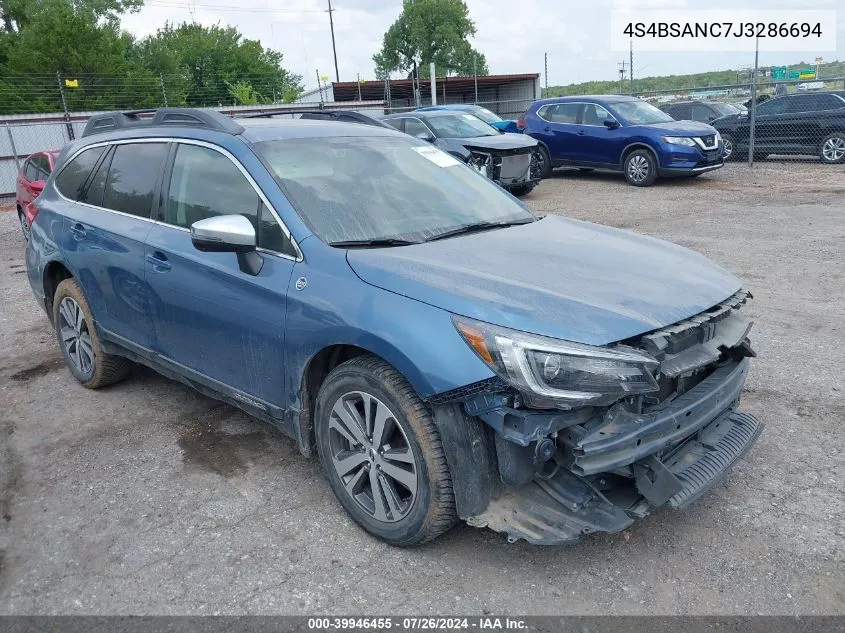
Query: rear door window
[133,177]
[73,176]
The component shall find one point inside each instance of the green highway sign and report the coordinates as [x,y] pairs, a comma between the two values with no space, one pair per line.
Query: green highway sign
[778,72]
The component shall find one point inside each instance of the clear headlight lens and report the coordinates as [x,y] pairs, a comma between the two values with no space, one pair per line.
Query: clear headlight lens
[679,140]
[553,372]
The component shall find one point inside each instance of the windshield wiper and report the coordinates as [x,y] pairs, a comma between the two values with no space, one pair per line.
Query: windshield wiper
[382,241]
[478,226]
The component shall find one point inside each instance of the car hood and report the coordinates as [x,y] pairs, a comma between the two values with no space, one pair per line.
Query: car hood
[501,141]
[682,128]
[558,277]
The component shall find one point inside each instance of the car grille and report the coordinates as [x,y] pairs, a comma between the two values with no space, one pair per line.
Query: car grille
[691,349]
[515,167]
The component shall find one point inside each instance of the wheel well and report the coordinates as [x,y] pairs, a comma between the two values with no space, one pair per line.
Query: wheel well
[54,274]
[634,147]
[312,379]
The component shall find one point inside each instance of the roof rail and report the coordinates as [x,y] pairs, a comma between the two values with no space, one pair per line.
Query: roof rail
[190,117]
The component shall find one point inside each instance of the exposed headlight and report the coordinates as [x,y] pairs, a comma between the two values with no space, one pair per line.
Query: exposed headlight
[553,372]
[679,140]
[718,137]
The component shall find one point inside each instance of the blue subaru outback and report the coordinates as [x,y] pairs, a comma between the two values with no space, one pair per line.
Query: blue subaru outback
[447,354]
[621,133]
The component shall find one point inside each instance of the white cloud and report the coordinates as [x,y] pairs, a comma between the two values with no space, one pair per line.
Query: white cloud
[513,36]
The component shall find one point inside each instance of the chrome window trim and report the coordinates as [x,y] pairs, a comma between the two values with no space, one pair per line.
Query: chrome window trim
[578,103]
[188,141]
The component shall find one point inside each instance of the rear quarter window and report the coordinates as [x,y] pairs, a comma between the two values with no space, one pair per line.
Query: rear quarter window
[73,176]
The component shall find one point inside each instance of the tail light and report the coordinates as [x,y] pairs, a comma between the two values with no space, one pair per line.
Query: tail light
[30,211]
[520,124]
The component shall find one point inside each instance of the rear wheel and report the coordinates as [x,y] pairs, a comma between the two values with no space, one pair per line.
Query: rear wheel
[832,149]
[523,190]
[79,342]
[24,224]
[640,168]
[382,454]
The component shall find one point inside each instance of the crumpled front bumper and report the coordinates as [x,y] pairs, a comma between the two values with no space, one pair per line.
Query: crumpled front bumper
[563,507]
[612,471]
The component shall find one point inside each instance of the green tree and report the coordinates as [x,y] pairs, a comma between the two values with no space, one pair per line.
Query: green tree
[430,31]
[244,94]
[204,62]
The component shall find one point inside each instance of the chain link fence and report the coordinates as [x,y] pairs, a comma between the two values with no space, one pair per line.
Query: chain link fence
[763,120]
[767,120]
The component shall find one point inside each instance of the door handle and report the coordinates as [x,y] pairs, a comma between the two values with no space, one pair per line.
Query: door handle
[158,261]
[581,133]
[78,231]
[547,129]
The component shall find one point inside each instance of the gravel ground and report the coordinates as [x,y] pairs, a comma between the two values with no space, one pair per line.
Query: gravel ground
[147,498]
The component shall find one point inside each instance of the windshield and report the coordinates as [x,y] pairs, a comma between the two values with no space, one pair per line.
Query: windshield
[725,109]
[460,126]
[383,187]
[485,115]
[639,113]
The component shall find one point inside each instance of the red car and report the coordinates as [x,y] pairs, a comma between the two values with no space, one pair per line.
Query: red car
[30,182]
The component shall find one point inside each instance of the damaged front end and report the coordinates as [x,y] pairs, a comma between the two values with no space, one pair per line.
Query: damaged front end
[510,168]
[589,439]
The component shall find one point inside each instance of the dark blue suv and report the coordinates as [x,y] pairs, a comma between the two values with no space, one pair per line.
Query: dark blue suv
[624,134]
[446,353]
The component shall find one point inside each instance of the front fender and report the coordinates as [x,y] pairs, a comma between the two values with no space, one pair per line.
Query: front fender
[336,307]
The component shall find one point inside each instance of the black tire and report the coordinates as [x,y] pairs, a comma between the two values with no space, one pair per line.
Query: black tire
[430,509]
[23,224]
[832,148]
[640,168]
[523,190]
[103,369]
[729,143]
[545,166]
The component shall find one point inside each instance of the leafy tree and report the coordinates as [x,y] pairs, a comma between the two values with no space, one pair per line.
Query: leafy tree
[244,94]
[208,60]
[430,31]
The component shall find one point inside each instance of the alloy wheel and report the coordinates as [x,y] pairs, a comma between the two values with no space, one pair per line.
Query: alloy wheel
[833,149]
[729,148]
[75,335]
[24,226]
[638,168]
[372,456]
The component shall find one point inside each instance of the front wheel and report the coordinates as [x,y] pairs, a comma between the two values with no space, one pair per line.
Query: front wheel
[729,143]
[544,162]
[523,190]
[832,149]
[640,168]
[382,453]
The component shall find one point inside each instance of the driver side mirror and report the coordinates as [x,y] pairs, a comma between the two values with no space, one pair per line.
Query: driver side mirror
[611,124]
[38,185]
[424,136]
[228,234]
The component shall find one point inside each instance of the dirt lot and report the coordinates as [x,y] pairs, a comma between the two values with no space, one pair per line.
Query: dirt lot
[149,498]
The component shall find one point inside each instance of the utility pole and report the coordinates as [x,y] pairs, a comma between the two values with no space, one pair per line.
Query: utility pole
[334,49]
[474,76]
[546,65]
[359,87]
[621,75]
[631,65]
[753,121]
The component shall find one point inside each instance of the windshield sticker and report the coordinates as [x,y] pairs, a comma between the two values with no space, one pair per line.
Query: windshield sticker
[439,158]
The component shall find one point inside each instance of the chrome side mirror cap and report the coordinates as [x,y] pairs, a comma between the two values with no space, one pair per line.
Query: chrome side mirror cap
[228,234]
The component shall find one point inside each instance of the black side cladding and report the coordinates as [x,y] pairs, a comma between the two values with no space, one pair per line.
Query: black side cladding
[469,450]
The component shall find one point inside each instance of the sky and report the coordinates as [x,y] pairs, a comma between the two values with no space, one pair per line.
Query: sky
[514,36]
